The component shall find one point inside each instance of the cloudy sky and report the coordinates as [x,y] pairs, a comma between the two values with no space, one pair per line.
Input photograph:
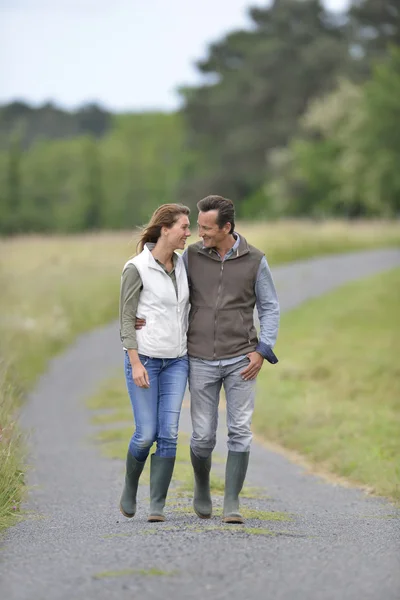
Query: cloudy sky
[123,54]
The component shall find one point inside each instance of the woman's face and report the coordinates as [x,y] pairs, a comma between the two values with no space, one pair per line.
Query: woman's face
[178,233]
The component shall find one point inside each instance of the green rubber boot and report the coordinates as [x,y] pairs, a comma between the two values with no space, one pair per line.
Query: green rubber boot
[161,470]
[134,469]
[202,498]
[235,473]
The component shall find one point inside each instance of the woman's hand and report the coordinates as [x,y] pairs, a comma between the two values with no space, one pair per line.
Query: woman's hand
[140,375]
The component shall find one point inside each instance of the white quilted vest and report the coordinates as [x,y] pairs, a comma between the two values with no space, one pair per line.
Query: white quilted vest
[164,335]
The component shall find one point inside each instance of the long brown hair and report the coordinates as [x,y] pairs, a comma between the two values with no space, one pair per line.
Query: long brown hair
[165,216]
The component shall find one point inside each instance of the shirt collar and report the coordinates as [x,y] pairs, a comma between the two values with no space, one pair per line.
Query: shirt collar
[151,245]
[232,250]
[234,247]
[236,244]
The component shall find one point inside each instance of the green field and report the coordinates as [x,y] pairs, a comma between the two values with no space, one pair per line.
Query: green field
[56,287]
[335,395]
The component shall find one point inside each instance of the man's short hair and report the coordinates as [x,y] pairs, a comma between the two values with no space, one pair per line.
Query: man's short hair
[225,208]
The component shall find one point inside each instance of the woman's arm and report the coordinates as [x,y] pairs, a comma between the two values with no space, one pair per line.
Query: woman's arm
[131,286]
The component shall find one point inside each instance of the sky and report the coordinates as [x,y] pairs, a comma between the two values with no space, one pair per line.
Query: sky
[126,55]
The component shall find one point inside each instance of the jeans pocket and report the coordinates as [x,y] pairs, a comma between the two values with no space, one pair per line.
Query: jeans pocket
[144,359]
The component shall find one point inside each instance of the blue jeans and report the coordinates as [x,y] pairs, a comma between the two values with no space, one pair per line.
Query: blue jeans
[157,409]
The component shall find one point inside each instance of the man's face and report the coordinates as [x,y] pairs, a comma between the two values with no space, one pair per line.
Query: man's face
[209,231]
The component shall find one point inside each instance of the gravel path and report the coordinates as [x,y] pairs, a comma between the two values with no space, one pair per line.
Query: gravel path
[339,544]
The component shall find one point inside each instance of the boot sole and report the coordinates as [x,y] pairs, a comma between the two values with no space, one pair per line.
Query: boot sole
[238,520]
[155,519]
[201,516]
[126,514]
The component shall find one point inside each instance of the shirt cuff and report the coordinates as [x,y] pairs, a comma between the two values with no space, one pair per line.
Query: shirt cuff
[266,352]
[129,343]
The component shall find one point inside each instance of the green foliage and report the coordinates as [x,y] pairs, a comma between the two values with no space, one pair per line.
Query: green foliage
[82,183]
[346,161]
[10,194]
[381,141]
[263,80]
[50,122]
[375,26]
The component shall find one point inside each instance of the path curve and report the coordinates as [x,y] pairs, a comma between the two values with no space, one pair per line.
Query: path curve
[340,544]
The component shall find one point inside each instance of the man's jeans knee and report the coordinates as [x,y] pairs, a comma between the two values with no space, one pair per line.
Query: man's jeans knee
[205,382]
[240,398]
[205,385]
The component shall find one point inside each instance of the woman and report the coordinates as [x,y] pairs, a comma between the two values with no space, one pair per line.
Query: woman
[154,286]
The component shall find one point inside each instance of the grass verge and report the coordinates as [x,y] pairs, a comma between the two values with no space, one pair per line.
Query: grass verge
[335,395]
[52,288]
[11,454]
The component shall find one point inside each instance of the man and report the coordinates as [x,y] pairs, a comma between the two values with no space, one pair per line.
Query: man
[227,278]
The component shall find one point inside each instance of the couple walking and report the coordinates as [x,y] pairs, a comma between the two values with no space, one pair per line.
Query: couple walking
[191,316]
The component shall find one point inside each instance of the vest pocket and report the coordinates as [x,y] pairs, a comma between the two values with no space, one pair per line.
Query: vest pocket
[201,324]
[233,329]
[246,332]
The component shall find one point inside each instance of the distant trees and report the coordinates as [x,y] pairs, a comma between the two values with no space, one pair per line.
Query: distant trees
[259,84]
[374,25]
[263,81]
[50,122]
[81,183]
[346,160]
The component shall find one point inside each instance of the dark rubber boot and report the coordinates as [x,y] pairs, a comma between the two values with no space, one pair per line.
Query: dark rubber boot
[161,470]
[235,473]
[202,498]
[134,469]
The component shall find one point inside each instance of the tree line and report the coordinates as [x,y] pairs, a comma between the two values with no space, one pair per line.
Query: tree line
[297,116]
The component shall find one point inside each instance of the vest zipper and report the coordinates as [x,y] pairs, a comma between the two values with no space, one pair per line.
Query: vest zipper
[178,308]
[216,308]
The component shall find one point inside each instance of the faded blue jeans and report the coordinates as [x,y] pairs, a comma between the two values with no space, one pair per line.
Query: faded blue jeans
[205,382]
[157,409]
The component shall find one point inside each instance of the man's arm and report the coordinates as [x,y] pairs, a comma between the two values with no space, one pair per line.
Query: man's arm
[268,311]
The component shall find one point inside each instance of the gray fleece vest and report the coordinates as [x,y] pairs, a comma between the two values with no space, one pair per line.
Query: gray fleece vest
[222,297]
